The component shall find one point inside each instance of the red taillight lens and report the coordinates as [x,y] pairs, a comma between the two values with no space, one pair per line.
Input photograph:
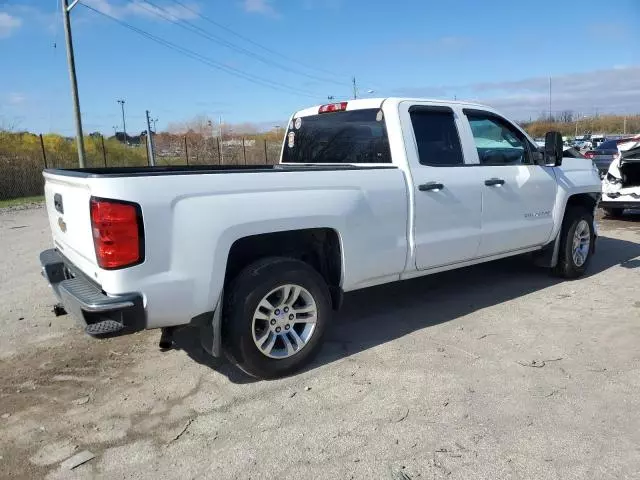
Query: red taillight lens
[333,107]
[589,155]
[117,233]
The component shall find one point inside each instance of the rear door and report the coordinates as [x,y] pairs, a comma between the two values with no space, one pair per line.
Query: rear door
[517,195]
[67,201]
[447,197]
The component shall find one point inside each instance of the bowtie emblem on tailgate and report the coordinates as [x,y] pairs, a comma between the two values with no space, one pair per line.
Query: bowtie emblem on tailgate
[57,203]
[62,224]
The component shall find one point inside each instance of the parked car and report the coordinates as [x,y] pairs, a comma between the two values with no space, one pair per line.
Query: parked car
[603,155]
[621,185]
[367,192]
[596,140]
[570,152]
[582,144]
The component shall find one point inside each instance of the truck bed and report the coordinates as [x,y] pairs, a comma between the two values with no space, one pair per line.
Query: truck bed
[112,172]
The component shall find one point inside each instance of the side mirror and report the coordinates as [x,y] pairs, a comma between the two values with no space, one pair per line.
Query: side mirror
[553,149]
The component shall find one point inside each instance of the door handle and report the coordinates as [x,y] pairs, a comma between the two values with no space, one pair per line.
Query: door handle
[494,182]
[430,186]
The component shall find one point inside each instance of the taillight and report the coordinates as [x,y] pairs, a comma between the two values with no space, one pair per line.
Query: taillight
[118,234]
[333,107]
[589,155]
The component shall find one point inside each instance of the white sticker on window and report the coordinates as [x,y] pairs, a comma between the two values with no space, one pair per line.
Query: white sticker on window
[379,116]
[291,139]
[298,123]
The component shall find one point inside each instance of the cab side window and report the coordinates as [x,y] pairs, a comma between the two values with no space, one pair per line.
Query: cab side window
[436,136]
[498,142]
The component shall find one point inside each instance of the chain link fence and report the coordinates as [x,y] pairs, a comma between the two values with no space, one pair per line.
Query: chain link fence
[24,156]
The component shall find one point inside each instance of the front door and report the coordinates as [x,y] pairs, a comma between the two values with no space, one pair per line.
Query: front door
[517,195]
[447,198]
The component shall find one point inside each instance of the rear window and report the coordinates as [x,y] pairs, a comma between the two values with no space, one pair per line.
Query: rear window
[608,145]
[357,136]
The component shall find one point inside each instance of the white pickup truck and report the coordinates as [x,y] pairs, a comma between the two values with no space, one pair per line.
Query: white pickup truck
[367,192]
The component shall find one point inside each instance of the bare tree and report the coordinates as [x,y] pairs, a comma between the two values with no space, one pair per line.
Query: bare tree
[566,116]
[9,124]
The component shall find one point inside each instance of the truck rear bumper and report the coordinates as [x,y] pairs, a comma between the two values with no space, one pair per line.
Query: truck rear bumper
[100,314]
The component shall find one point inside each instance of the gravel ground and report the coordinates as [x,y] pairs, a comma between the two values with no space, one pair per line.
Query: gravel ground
[497,371]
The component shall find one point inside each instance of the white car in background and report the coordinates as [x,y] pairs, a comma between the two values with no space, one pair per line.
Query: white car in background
[621,185]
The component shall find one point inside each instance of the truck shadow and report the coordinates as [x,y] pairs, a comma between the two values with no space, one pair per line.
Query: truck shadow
[378,315]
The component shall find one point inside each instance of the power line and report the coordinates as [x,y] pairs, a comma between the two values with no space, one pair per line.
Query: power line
[206,60]
[172,18]
[248,40]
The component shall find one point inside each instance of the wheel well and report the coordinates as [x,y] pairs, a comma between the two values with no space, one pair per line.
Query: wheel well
[586,200]
[319,247]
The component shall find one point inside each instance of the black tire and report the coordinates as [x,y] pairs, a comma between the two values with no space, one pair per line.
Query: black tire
[613,212]
[246,292]
[567,266]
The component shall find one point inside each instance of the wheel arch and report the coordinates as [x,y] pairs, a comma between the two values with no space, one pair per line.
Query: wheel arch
[587,200]
[319,247]
[548,256]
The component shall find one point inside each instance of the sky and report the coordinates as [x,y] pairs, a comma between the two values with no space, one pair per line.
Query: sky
[260,60]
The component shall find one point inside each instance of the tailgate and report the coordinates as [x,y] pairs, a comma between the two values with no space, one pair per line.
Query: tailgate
[67,201]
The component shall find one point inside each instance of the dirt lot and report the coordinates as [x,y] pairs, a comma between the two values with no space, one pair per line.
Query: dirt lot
[493,372]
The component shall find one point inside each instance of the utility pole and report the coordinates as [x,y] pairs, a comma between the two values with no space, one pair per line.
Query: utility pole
[155,121]
[355,88]
[550,98]
[124,125]
[66,9]
[221,143]
[152,161]
[115,131]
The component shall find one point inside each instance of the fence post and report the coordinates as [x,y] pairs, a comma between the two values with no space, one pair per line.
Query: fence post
[266,157]
[104,151]
[219,152]
[186,150]
[44,153]
[244,152]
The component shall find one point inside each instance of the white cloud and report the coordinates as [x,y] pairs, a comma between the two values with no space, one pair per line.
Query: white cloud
[262,7]
[144,9]
[8,24]
[104,6]
[614,90]
[174,12]
[15,98]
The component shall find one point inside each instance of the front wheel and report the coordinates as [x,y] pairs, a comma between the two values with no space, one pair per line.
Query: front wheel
[576,243]
[277,311]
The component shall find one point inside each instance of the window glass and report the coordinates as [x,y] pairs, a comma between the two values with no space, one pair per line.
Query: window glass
[437,137]
[356,136]
[498,143]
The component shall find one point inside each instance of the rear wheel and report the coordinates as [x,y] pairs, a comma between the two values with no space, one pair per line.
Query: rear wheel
[576,243]
[276,314]
[613,212]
